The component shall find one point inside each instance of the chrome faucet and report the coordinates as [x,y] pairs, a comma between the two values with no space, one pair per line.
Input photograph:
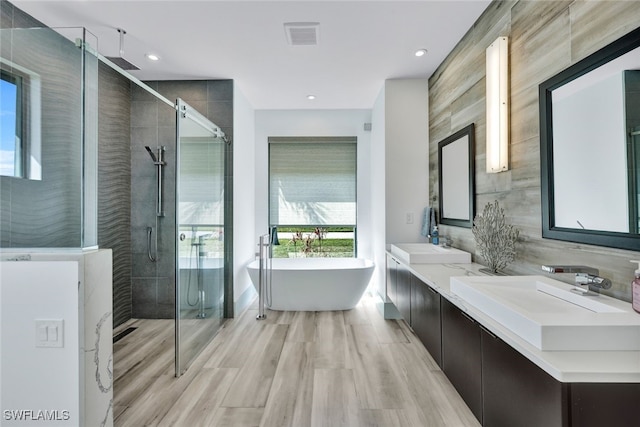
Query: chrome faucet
[587,280]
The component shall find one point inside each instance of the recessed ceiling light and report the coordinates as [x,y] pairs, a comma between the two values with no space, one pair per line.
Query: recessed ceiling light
[311,97]
[421,52]
[152,57]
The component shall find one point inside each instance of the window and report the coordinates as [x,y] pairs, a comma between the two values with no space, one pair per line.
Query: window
[20,112]
[11,125]
[312,195]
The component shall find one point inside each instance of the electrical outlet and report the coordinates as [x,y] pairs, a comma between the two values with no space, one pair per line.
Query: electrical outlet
[409,217]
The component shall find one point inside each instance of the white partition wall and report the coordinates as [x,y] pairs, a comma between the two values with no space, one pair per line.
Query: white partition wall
[56,339]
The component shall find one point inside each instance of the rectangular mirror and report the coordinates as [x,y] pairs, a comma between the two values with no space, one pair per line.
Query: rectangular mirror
[589,148]
[456,173]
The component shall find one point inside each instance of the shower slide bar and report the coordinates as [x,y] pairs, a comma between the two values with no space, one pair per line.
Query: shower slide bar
[160,163]
[263,275]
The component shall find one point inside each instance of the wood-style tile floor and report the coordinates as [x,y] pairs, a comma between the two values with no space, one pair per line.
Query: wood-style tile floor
[341,368]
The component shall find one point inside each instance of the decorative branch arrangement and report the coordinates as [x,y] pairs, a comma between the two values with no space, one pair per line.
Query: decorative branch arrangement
[495,239]
[307,248]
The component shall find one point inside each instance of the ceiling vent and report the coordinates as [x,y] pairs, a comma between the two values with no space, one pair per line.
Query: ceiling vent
[302,33]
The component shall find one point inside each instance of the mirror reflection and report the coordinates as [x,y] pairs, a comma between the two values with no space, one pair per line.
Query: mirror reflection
[590,148]
[456,178]
[594,135]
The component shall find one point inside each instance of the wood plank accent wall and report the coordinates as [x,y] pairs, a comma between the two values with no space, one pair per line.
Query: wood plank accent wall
[545,37]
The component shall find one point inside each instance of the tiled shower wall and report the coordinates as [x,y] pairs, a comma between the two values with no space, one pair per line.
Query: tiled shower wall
[12,17]
[113,171]
[153,125]
[114,183]
[47,212]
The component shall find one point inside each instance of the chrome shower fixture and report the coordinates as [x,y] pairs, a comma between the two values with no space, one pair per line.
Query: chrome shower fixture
[119,60]
[153,156]
[158,160]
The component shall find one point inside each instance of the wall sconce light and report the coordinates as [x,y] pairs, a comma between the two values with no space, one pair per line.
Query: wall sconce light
[497,80]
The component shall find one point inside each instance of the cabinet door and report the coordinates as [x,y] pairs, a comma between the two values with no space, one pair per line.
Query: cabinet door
[391,278]
[403,292]
[603,404]
[425,317]
[516,392]
[461,355]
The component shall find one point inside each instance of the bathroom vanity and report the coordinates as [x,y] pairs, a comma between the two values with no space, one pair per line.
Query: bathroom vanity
[505,379]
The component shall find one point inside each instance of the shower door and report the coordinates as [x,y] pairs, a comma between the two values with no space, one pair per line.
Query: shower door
[199,224]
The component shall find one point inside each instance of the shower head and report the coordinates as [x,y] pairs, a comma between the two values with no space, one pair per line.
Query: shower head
[119,60]
[153,156]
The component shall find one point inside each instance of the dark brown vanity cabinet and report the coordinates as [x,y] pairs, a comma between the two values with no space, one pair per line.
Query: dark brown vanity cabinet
[462,355]
[425,317]
[403,293]
[399,287]
[516,392]
[603,404]
[502,387]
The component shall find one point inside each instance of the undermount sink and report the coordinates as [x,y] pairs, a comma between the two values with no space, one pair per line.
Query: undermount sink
[548,315]
[426,253]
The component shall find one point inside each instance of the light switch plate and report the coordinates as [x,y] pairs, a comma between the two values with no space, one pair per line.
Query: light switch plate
[49,333]
[409,217]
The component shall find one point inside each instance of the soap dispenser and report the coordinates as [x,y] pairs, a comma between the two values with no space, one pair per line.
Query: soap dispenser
[436,241]
[635,289]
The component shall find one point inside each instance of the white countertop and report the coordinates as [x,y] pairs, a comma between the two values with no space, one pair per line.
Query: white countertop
[564,366]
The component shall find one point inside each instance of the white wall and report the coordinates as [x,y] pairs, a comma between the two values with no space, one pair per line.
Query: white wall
[73,383]
[243,196]
[399,167]
[315,123]
[393,163]
[377,179]
[406,158]
[34,377]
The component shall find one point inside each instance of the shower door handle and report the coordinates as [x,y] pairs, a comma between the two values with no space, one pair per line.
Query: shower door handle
[152,258]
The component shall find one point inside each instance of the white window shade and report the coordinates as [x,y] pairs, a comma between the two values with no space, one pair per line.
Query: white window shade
[201,181]
[312,181]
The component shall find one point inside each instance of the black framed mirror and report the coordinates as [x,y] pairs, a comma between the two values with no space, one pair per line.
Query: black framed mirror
[590,148]
[456,173]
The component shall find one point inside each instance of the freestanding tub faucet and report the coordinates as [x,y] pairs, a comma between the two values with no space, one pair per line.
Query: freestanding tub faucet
[587,281]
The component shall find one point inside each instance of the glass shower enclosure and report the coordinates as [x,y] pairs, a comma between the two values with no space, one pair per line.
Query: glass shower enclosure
[200,226]
[48,138]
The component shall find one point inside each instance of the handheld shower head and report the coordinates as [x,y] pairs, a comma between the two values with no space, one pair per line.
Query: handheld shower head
[153,156]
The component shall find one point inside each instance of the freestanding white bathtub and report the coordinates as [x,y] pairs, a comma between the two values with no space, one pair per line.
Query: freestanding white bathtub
[314,284]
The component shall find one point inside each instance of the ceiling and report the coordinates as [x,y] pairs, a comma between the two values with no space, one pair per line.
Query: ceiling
[361,43]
